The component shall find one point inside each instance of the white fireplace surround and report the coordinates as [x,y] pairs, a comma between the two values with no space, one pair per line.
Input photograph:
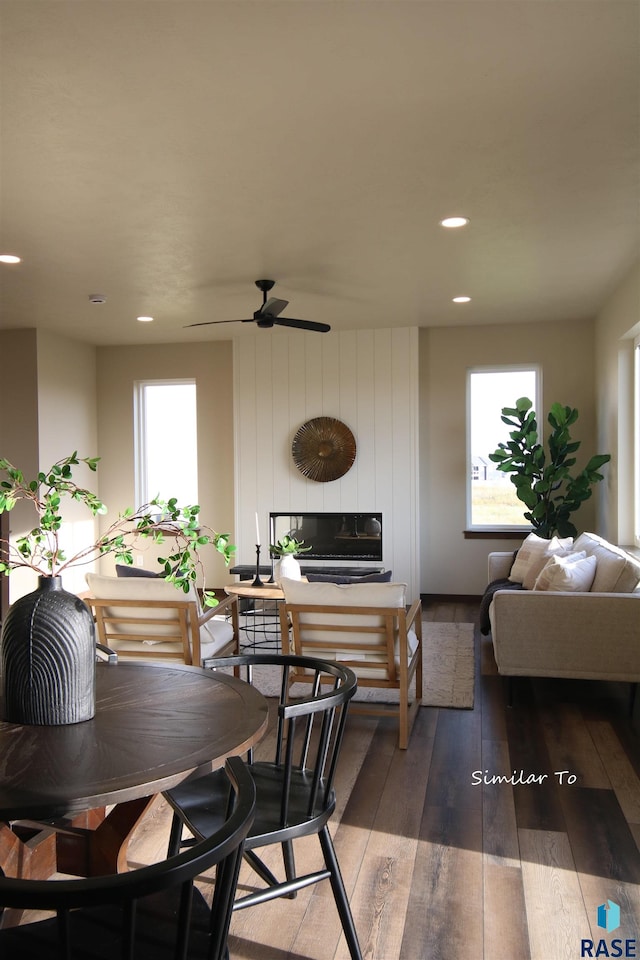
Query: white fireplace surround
[369,380]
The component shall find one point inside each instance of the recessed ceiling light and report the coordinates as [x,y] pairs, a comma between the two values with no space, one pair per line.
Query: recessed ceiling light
[454,222]
[461,299]
[9,258]
[145,319]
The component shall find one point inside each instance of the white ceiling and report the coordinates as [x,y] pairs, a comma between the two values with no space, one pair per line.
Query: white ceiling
[167,153]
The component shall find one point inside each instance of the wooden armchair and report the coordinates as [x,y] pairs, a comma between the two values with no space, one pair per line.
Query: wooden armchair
[149,619]
[367,627]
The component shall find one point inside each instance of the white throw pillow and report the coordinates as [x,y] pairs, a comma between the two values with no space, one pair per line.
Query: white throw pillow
[617,571]
[574,573]
[533,555]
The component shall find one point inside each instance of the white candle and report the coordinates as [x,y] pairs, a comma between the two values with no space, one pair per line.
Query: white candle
[257,531]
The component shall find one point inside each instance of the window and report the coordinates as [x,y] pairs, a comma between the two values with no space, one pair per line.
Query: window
[491,500]
[166,447]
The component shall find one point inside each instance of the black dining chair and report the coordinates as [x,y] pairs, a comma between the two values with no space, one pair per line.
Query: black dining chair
[295,794]
[151,913]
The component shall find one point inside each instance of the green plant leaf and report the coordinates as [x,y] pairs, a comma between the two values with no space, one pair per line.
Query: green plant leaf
[543,481]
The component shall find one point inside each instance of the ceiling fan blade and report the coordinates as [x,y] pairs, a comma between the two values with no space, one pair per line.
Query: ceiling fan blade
[206,323]
[302,324]
[272,307]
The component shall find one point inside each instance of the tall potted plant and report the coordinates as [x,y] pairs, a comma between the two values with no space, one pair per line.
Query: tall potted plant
[47,642]
[542,477]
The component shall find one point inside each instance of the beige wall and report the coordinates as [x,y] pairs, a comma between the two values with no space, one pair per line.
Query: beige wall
[55,414]
[19,393]
[19,427]
[210,364]
[67,419]
[565,352]
[616,326]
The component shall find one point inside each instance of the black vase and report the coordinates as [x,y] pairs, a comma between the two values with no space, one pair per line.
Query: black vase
[48,658]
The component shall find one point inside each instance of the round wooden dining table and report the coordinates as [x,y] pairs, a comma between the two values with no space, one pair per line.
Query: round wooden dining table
[155,725]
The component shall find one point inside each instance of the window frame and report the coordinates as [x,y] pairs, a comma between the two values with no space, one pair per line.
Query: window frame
[506,529]
[140,460]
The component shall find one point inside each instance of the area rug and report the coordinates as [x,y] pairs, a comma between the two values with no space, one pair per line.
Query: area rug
[448,674]
[448,669]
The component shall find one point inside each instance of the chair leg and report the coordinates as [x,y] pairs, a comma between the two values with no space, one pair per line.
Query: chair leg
[175,836]
[340,894]
[289,864]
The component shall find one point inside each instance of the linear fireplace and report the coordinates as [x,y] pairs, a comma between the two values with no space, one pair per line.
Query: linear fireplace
[331,536]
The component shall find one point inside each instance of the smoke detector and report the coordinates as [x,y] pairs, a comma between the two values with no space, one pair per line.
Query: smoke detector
[97,298]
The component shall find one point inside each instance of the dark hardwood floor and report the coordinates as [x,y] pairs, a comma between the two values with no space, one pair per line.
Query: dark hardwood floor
[440,867]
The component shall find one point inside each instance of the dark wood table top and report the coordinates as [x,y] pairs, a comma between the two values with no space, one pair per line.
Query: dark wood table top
[155,725]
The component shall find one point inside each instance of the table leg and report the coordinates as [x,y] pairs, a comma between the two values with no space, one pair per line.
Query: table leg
[92,852]
[25,852]
[89,844]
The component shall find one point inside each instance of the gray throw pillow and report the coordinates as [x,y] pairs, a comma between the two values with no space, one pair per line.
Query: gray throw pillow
[336,578]
[124,570]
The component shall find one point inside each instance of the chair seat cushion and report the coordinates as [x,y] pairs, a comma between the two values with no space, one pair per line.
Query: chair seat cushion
[215,634]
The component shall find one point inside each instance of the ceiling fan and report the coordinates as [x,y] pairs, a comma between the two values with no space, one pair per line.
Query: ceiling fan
[268,314]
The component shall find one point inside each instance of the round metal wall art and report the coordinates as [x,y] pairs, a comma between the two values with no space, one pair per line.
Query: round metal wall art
[324,449]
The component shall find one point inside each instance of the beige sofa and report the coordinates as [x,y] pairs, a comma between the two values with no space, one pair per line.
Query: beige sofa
[592,634]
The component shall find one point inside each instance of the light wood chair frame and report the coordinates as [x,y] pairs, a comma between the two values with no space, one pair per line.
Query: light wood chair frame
[182,615]
[389,640]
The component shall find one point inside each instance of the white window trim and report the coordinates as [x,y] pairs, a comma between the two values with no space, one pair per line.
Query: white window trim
[537,406]
[139,433]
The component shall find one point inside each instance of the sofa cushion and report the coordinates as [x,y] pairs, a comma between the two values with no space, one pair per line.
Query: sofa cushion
[574,573]
[533,555]
[616,571]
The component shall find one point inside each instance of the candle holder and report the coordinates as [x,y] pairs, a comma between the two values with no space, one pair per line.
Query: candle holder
[257,582]
[272,578]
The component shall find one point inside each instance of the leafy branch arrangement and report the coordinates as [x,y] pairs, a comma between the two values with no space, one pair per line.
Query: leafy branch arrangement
[40,549]
[288,544]
[542,479]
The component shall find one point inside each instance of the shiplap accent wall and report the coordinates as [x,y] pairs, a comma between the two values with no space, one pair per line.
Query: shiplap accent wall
[366,378]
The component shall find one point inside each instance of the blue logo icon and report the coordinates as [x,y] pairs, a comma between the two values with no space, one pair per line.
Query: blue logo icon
[609,917]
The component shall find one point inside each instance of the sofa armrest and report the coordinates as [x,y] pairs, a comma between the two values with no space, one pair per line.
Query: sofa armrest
[499,564]
[555,634]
